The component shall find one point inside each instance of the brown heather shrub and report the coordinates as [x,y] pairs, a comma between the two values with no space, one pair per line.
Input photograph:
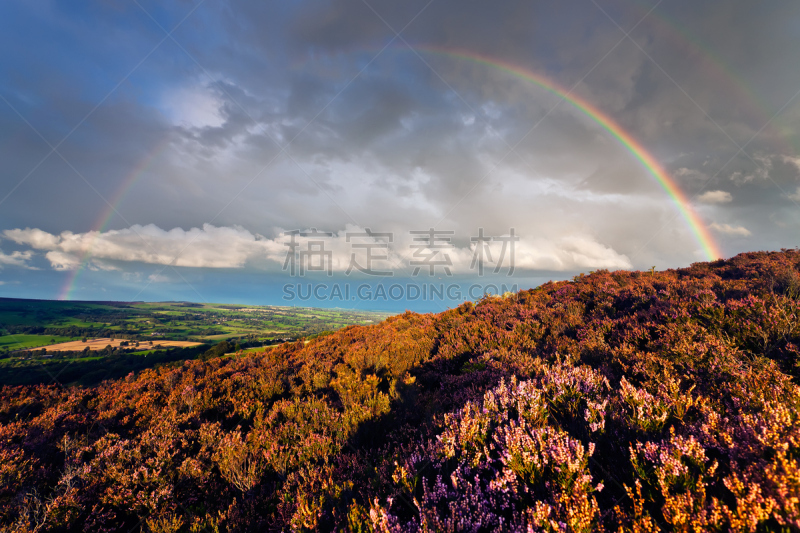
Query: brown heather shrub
[619,401]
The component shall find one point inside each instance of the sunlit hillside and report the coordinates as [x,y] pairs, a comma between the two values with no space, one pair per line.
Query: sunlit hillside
[637,400]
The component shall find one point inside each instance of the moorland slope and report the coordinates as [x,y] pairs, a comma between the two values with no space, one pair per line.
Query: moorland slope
[632,401]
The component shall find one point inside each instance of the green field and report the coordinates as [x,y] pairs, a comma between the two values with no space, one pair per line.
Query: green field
[169,320]
[26,342]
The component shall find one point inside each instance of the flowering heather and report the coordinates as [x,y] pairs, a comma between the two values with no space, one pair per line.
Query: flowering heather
[619,401]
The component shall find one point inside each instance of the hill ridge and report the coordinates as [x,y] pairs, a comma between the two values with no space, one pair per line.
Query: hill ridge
[643,401]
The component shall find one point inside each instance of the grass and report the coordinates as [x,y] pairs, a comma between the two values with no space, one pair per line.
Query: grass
[27,342]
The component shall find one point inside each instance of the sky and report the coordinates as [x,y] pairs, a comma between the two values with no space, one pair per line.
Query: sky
[251,152]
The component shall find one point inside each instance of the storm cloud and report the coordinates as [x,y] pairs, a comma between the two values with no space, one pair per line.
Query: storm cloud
[193,134]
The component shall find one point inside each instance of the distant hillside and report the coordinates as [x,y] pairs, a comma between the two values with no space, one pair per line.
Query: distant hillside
[67,342]
[631,401]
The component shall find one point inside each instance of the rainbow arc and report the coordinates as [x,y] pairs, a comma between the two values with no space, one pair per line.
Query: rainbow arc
[654,168]
[668,184]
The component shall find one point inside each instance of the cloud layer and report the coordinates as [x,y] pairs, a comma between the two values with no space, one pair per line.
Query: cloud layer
[352,250]
[301,115]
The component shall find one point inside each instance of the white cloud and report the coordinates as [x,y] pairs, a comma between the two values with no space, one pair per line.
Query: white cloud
[61,261]
[16,259]
[684,172]
[570,253]
[35,238]
[792,161]
[96,264]
[195,107]
[236,247]
[760,172]
[158,278]
[210,247]
[795,197]
[727,229]
[715,197]
[132,276]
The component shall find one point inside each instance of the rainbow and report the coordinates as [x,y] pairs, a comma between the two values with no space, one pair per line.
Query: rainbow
[107,214]
[698,228]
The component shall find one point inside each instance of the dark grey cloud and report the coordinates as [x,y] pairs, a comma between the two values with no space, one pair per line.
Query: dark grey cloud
[293,115]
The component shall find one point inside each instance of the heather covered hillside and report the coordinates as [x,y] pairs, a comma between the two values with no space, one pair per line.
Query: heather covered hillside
[633,401]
